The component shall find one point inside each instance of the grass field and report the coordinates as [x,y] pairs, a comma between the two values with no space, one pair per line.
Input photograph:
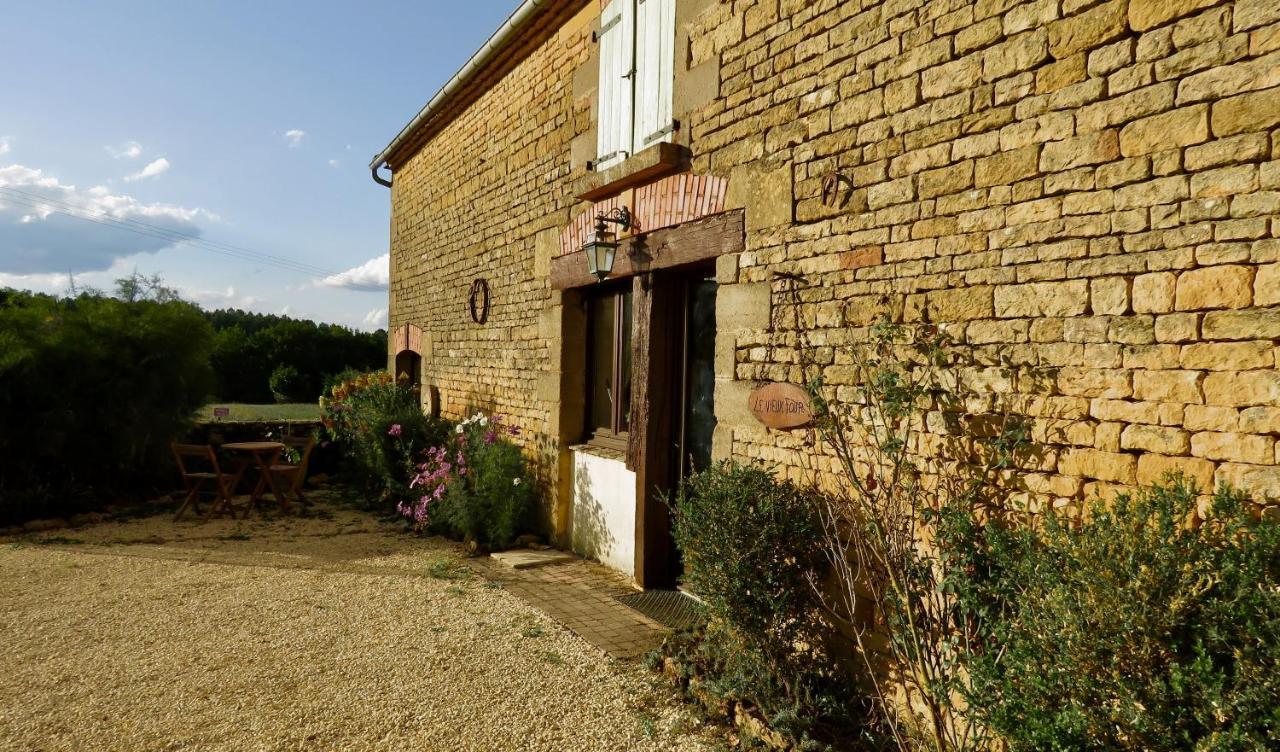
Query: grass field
[242,412]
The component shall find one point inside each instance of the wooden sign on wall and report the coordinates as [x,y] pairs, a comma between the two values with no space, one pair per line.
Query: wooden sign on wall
[780,405]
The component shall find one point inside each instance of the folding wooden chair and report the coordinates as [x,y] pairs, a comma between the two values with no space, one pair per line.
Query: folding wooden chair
[223,484]
[296,473]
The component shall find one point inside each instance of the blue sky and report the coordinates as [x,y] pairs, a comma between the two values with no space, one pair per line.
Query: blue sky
[247,124]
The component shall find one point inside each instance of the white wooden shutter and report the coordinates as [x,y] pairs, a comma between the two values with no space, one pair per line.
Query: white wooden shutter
[617,83]
[655,71]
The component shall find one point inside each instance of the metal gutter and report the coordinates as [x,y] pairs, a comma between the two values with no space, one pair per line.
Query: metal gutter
[496,42]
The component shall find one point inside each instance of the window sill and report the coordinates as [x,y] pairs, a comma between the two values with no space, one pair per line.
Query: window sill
[656,161]
[603,452]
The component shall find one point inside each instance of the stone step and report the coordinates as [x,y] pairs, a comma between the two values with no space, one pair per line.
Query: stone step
[530,559]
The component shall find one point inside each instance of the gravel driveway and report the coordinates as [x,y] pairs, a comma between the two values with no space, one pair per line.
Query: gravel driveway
[330,632]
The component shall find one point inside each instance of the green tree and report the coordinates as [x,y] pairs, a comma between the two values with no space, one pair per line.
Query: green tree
[92,389]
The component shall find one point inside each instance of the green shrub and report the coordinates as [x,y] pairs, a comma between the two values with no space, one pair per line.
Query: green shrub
[1129,629]
[287,385]
[751,547]
[478,487]
[92,390]
[382,432]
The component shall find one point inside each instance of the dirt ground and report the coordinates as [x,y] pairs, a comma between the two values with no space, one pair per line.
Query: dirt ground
[331,630]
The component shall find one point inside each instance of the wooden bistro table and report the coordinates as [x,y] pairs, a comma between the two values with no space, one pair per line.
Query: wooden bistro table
[261,455]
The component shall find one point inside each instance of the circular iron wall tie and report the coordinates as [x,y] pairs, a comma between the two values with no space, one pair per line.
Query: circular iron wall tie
[478,301]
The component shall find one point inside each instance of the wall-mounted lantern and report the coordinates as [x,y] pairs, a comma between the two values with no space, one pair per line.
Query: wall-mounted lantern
[602,249]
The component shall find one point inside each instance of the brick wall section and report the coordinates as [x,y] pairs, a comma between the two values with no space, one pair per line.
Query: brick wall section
[1086,190]
[486,198]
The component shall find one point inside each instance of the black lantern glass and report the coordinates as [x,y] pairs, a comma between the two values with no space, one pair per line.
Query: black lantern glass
[602,249]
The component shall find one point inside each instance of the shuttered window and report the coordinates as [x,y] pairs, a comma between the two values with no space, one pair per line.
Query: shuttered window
[617,79]
[637,61]
[655,60]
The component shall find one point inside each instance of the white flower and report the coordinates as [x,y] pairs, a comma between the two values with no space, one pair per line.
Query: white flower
[458,428]
[515,481]
[484,420]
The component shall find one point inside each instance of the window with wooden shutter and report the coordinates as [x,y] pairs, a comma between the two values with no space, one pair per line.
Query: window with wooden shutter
[617,83]
[655,62]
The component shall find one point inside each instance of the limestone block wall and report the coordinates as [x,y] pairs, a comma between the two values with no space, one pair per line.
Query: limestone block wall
[485,198]
[1085,190]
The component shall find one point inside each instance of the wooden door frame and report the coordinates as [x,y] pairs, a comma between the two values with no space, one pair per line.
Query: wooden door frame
[654,308]
[654,359]
[668,248]
[657,307]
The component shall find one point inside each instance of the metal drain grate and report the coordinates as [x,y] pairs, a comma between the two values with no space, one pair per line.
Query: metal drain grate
[670,608]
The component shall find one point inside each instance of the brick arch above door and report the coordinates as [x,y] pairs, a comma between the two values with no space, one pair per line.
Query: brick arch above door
[407,338]
[663,203]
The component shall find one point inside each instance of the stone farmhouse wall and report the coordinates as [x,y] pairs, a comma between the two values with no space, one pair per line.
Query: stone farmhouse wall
[1087,190]
[485,199]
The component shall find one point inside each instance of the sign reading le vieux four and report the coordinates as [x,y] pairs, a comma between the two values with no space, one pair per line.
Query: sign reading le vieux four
[782,406]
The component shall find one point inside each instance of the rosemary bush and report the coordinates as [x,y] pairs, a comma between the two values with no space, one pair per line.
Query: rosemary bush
[1128,629]
[750,545]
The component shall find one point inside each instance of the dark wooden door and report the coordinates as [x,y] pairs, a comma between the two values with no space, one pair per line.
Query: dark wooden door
[673,405]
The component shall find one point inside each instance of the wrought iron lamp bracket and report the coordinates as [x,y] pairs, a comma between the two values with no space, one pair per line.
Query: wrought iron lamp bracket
[620,216]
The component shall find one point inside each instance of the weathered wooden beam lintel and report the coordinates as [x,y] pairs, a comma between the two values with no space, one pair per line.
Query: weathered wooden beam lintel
[670,247]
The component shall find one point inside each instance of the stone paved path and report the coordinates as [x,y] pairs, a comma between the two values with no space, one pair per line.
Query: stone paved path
[582,596]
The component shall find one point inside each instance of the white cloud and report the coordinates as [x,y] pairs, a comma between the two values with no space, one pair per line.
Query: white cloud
[152,169]
[50,283]
[294,137]
[228,298]
[333,163]
[127,150]
[376,319]
[50,227]
[6,143]
[372,275]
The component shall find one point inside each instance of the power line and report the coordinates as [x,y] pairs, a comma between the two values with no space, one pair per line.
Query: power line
[138,227]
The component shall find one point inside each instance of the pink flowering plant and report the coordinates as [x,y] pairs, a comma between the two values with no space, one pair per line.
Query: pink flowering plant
[382,431]
[476,486]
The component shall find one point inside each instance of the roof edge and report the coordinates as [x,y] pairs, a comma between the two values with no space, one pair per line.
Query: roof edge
[505,35]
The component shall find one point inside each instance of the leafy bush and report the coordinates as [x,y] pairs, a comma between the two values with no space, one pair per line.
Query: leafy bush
[92,389]
[383,433]
[287,385]
[1129,629]
[476,487]
[912,637]
[751,551]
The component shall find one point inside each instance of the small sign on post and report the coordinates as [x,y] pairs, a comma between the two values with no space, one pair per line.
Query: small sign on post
[221,412]
[781,406]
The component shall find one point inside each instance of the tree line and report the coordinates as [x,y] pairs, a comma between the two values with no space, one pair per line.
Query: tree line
[262,357]
[93,386]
